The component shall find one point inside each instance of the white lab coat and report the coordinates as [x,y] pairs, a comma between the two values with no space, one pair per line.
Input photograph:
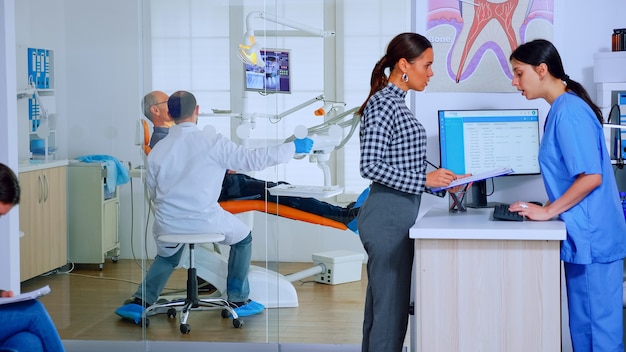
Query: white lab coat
[184,180]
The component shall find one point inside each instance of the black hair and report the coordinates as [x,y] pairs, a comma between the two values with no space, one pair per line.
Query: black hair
[9,186]
[541,51]
[181,104]
[409,46]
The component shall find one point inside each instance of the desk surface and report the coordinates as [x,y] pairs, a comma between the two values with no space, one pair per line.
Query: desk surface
[476,224]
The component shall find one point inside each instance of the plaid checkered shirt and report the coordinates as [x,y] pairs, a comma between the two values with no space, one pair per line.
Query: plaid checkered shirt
[393,143]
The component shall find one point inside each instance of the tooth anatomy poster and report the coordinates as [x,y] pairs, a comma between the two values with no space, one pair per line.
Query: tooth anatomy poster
[473,39]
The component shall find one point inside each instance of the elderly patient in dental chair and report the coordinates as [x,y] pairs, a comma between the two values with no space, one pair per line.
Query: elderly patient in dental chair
[184,173]
[237,186]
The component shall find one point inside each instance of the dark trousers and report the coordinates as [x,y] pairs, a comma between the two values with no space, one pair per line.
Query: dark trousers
[384,222]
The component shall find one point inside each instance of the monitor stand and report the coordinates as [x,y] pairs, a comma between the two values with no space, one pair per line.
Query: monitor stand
[479,196]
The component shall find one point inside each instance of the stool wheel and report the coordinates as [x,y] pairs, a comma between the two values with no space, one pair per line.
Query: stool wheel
[237,323]
[185,328]
[171,313]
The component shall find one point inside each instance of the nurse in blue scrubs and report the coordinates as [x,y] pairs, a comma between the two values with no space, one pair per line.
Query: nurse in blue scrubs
[582,191]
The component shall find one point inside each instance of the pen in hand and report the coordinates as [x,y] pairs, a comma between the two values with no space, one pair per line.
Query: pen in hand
[431,164]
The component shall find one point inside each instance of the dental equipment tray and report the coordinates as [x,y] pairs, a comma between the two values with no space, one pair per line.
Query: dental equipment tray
[305,191]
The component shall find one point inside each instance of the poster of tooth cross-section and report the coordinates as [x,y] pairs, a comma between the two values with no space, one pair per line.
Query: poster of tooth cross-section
[473,39]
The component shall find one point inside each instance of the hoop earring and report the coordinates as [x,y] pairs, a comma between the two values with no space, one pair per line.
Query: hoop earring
[405,78]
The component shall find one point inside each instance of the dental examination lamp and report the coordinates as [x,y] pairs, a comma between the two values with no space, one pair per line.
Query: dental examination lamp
[248,121]
[323,145]
[327,108]
[249,51]
[341,121]
[326,137]
[333,128]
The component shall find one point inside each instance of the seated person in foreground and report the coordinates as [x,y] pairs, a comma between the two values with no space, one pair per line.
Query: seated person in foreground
[26,326]
[184,174]
[237,186]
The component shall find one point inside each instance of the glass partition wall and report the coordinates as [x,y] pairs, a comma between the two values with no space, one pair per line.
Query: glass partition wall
[316,55]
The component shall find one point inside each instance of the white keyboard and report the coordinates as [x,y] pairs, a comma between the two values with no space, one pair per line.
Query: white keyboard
[305,191]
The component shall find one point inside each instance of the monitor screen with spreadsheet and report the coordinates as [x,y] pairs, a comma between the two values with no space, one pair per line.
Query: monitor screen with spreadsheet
[477,141]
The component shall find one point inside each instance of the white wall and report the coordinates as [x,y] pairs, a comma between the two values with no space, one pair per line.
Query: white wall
[104,80]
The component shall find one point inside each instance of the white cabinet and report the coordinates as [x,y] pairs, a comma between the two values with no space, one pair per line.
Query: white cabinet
[93,215]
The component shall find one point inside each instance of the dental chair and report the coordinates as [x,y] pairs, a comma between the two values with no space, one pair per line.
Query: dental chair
[242,206]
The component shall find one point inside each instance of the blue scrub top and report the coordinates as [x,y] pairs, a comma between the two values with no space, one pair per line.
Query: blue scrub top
[573,143]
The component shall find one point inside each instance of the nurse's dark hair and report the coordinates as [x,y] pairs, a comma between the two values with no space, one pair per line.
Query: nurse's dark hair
[409,46]
[9,186]
[541,51]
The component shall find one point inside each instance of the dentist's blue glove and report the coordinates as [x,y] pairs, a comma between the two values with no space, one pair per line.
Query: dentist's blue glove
[304,145]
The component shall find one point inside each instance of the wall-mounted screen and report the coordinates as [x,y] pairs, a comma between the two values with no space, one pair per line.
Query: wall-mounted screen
[275,77]
[477,141]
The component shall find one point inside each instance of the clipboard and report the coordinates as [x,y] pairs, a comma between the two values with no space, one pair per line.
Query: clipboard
[478,177]
[26,296]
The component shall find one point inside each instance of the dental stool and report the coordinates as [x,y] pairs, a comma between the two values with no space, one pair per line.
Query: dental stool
[193,301]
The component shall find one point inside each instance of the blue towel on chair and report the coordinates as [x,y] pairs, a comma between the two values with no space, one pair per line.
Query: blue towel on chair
[117,173]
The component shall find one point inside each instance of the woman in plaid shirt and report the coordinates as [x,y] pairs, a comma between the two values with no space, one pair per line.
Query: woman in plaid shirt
[393,157]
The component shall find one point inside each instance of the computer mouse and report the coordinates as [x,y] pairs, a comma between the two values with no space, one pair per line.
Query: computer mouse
[535,203]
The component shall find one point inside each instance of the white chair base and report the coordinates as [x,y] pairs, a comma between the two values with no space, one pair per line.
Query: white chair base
[267,287]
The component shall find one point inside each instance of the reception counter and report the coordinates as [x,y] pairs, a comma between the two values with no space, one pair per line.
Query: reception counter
[484,285]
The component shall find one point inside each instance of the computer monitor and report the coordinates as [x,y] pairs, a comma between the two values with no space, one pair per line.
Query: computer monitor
[274,77]
[477,141]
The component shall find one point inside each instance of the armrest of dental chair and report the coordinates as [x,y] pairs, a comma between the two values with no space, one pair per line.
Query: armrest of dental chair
[240,206]
[142,138]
